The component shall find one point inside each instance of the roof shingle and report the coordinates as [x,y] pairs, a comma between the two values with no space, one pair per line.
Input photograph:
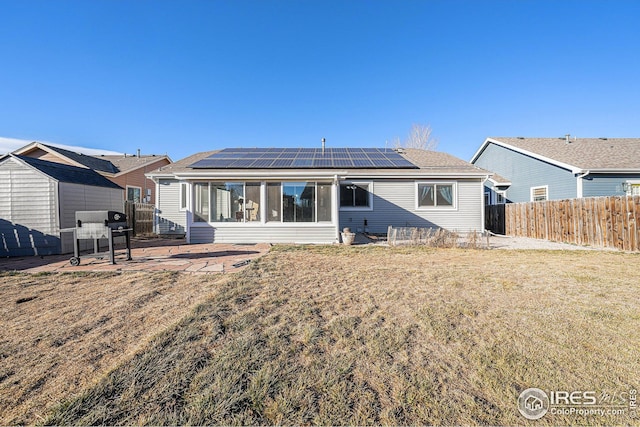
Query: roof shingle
[584,153]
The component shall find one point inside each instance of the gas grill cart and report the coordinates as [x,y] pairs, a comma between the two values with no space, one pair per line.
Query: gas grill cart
[96,225]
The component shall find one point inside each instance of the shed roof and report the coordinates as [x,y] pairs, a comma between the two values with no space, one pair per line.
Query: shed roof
[66,173]
[577,153]
[91,162]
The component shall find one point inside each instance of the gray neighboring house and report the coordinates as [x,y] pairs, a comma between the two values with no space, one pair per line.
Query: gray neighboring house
[38,198]
[536,169]
[245,196]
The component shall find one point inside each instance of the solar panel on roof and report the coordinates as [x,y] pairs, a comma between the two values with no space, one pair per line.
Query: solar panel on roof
[322,163]
[275,158]
[242,163]
[343,163]
[282,163]
[302,163]
[262,163]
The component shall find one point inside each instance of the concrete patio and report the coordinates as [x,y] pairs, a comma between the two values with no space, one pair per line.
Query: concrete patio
[149,254]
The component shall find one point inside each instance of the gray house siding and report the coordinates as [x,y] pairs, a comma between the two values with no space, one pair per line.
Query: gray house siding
[28,211]
[597,185]
[170,219]
[525,172]
[317,233]
[394,203]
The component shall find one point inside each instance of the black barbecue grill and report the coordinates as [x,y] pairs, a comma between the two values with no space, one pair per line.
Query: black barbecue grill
[96,225]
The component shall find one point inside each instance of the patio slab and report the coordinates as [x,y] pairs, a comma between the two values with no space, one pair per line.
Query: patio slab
[150,254]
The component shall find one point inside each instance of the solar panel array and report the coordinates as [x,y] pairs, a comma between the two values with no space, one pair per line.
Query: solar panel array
[304,158]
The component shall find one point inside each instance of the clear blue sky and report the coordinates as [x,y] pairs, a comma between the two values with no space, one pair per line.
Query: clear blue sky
[180,77]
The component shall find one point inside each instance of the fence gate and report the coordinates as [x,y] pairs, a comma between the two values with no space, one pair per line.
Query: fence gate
[494,218]
[140,217]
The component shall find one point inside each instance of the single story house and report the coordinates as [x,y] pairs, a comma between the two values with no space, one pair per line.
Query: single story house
[38,198]
[308,195]
[128,171]
[536,169]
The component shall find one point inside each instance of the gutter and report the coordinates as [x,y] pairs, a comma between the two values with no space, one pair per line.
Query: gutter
[579,183]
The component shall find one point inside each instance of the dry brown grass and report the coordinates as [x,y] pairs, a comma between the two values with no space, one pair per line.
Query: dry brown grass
[371,335]
[62,332]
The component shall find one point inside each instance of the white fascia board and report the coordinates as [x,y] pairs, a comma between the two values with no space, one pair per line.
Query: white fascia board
[620,171]
[43,147]
[257,174]
[310,174]
[477,153]
[500,184]
[573,169]
[417,176]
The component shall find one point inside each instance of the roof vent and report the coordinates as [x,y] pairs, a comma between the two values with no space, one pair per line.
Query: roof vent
[520,137]
[567,138]
[604,139]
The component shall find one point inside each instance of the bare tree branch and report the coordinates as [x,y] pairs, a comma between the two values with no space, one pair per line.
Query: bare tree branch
[420,137]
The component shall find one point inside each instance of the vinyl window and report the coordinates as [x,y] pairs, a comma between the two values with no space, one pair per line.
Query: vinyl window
[540,194]
[436,195]
[134,194]
[355,196]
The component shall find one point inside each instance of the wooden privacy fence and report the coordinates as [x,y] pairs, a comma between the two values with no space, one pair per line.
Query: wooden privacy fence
[595,221]
[140,217]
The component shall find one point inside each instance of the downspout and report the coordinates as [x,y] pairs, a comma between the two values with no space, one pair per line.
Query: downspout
[336,207]
[579,183]
[482,202]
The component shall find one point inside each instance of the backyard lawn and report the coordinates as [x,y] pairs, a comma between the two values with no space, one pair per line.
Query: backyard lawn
[326,335]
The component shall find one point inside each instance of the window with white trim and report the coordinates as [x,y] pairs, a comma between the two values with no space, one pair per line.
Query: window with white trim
[355,195]
[299,201]
[226,202]
[540,194]
[134,194]
[183,196]
[432,195]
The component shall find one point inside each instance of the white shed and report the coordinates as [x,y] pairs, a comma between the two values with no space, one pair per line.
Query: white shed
[38,198]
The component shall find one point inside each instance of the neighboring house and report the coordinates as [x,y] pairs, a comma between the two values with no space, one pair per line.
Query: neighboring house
[38,198]
[308,195]
[536,169]
[128,171]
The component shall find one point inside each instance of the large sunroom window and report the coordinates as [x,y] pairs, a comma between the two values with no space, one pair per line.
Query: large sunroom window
[241,202]
[227,202]
[298,202]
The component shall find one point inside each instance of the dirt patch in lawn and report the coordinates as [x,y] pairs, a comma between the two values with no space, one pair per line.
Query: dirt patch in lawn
[374,335]
[62,332]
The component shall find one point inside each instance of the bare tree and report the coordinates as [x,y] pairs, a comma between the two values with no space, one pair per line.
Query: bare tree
[419,137]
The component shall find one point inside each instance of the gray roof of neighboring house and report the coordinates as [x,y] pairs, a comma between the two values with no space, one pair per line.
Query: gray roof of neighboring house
[91,162]
[68,173]
[583,153]
[432,161]
[127,163]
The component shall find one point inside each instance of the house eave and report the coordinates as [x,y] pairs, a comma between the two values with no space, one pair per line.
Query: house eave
[613,170]
[311,174]
[572,168]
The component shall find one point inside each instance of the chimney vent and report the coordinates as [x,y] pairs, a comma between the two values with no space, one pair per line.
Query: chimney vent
[567,138]
[323,143]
